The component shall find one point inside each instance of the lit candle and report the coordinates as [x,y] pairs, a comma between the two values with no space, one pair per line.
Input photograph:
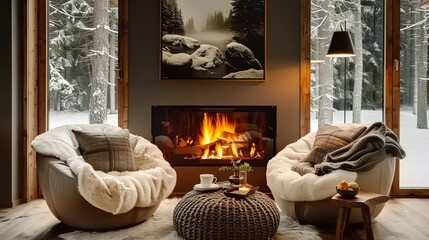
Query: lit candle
[244,188]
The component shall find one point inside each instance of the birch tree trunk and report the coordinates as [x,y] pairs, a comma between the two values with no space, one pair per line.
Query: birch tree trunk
[112,74]
[422,122]
[415,58]
[406,42]
[325,106]
[100,67]
[357,88]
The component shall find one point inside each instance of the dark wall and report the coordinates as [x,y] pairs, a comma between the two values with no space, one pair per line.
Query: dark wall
[281,87]
[11,103]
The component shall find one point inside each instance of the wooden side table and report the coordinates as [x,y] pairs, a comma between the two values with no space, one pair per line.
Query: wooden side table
[363,200]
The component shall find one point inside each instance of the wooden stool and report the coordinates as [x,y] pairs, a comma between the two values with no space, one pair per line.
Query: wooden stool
[363,200]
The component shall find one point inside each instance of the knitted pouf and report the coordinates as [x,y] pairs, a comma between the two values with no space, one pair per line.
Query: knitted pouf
[212,215]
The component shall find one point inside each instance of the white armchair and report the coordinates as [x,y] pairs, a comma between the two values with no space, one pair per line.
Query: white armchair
[306,197]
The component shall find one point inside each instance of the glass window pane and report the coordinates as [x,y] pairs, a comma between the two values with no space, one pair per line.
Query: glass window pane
[347,89]
[414,131]
[83,50]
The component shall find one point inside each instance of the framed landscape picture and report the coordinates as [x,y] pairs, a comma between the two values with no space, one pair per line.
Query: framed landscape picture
[212,39]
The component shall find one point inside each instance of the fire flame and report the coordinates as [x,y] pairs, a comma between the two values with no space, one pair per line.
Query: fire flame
[212,130]
[252,150]
[218,139]
[234,150]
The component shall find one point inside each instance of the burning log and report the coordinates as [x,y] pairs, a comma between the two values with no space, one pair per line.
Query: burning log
[188,150]
[233,137]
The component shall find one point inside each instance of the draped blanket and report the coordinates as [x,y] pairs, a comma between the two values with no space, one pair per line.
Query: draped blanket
[289,185]
[369,149]
[114,192]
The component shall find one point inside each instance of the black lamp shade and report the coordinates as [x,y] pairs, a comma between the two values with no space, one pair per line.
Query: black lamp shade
[341,45]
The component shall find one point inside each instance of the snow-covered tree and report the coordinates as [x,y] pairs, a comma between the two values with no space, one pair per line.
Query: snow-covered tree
[248,23]
[74,55]
[189,26]
[171,18]
[414,70]
[100,63]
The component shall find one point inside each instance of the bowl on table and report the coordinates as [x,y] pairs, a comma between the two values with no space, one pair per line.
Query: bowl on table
[349,193]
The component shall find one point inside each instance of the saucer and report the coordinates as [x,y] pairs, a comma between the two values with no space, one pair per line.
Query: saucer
[199,187]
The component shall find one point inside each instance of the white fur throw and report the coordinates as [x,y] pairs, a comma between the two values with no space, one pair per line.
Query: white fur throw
[114,192]
[290,185]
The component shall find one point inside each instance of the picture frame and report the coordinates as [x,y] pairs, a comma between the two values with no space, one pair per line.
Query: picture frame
[213,40]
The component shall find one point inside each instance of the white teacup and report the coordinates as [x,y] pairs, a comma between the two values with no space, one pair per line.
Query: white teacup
[207,180]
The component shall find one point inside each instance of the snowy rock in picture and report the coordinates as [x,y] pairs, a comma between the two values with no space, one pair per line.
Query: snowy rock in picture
[181,41]
[179,60]
[246,74]
[241,57]
[207,56]
[165,56]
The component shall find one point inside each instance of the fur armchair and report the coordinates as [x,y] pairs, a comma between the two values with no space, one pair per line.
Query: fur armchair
[95,186]
[305,195]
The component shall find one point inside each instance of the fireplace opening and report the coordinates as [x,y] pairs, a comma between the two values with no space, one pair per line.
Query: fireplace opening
[213,135]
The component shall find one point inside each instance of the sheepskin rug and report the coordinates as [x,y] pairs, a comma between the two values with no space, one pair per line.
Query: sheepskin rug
[160,227]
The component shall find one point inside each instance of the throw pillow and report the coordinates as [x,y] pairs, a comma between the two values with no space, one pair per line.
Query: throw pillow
[329,138]
[106,150]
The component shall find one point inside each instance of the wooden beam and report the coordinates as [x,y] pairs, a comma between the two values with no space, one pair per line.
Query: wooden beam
[30,100]
[305,111]
[123,65]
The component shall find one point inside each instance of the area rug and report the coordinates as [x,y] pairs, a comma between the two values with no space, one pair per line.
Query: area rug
[160,227]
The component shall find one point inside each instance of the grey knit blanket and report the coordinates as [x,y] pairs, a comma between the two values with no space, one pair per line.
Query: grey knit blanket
[369,149]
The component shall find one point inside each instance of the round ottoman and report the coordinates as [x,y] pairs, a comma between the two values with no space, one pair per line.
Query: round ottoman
[212,215]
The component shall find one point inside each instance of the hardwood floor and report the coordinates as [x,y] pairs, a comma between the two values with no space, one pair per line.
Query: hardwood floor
[401,218]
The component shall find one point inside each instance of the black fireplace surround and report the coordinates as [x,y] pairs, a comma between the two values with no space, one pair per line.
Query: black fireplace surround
[243,132]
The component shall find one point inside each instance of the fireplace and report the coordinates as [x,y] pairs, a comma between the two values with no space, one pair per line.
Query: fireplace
[213,135]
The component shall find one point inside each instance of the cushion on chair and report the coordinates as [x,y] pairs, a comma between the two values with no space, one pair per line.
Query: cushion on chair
[329,138]
[84,198]
[307,197]
[106,150]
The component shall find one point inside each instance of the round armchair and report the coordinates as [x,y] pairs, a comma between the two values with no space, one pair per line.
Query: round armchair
[306,197]
[63,173]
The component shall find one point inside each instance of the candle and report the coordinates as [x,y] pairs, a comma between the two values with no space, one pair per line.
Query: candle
[244,188]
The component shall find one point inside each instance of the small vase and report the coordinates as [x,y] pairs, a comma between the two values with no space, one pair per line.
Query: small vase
[236,178]
[243,178]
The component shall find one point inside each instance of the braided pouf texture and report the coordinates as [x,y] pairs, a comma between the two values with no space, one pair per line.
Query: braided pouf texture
[212,215]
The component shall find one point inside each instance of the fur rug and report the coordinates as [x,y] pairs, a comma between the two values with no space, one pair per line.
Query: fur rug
[160,227]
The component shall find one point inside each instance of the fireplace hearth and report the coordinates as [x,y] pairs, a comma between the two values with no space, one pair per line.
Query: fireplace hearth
[213,135]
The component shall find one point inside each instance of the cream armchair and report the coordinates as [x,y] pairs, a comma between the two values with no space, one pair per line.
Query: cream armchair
[63,174]
[306,197]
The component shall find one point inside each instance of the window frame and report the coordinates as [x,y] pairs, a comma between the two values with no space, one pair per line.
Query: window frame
[35,83]
[391,79]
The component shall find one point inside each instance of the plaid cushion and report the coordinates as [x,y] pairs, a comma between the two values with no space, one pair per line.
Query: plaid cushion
[106,150]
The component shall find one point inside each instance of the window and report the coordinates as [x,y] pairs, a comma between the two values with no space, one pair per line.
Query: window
[59,47]
[414,95]
[386,81]
[347,89]
[82,62]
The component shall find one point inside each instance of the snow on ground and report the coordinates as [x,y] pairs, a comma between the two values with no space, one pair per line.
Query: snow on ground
[59,118]
[413,168]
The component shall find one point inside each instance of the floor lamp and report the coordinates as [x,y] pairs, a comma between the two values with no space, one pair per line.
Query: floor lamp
[341,46]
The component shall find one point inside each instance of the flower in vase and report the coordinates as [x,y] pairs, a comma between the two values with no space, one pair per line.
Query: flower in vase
[237,166]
